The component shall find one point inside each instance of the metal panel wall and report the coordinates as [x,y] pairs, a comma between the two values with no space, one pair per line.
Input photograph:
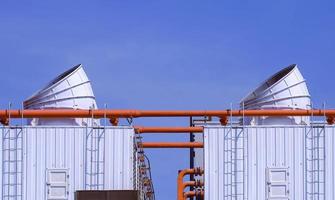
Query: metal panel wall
[93,158]
[330,162]
[240,162]
[224,163]
[199,153]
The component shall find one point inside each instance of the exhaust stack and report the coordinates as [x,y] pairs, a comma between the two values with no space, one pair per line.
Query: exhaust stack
[286,89]
[70,90]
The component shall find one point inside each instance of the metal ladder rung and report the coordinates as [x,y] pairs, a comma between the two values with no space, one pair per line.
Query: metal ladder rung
[12,184]
[12,149]
[313,193]
[92,150]
[312,160]
[12,172]
[11,161]
[238,182]
[94,185]
[95,173]
[15,195]
[12,138]
[311,150]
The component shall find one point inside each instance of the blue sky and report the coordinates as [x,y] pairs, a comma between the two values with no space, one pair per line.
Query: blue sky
[166,55]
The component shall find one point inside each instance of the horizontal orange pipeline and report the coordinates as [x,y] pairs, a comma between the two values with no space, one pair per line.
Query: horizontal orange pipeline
[172,145]
[67,113]
[197,129]
[193,194]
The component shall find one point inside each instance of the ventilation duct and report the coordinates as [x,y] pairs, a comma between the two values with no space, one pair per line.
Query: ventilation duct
[70,90]
[286,89]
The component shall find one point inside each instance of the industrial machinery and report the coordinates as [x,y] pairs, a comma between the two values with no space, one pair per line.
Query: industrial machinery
[276,146]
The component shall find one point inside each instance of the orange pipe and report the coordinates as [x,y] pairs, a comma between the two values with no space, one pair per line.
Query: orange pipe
[63,113]
[191,183]
[196,129]
[193,194]
[172,145]
[180,179]
[188,183]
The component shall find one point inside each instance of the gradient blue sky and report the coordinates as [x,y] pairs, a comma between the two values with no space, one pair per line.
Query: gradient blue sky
[166,55]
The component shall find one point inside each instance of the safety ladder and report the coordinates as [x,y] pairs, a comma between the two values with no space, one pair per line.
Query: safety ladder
[12,163]
[95,158]
[239,163]
[235,156]
[315,163]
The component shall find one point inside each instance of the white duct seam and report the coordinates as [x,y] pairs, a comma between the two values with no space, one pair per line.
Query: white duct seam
[286,89]
[70,90]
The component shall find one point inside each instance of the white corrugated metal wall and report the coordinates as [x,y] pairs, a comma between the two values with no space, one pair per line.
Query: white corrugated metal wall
[224,163]
[269,162]
[330,162]
[34,159]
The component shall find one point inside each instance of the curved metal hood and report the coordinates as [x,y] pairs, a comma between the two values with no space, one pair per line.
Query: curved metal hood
[287,89]
[70,90]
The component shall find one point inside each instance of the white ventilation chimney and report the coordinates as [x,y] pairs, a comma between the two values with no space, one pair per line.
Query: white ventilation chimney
[286,89]
[70,90]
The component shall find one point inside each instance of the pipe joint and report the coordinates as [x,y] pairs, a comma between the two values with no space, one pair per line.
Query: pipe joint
[198,183]
[140,145]
[194,194]
[4,121]
[138,129]
[114,121]
[224,120]
[181,185]
[198,171]
[330,120]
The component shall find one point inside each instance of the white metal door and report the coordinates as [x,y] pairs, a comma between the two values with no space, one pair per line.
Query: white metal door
[277,183]
[57,184]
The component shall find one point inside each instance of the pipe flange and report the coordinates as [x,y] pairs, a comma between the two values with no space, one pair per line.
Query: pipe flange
[224,120]
[198,171]
[330,120]
[114,121]
[4,121]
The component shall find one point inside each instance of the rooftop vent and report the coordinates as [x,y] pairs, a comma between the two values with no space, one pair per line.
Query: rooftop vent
[286,89]
[70,90]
